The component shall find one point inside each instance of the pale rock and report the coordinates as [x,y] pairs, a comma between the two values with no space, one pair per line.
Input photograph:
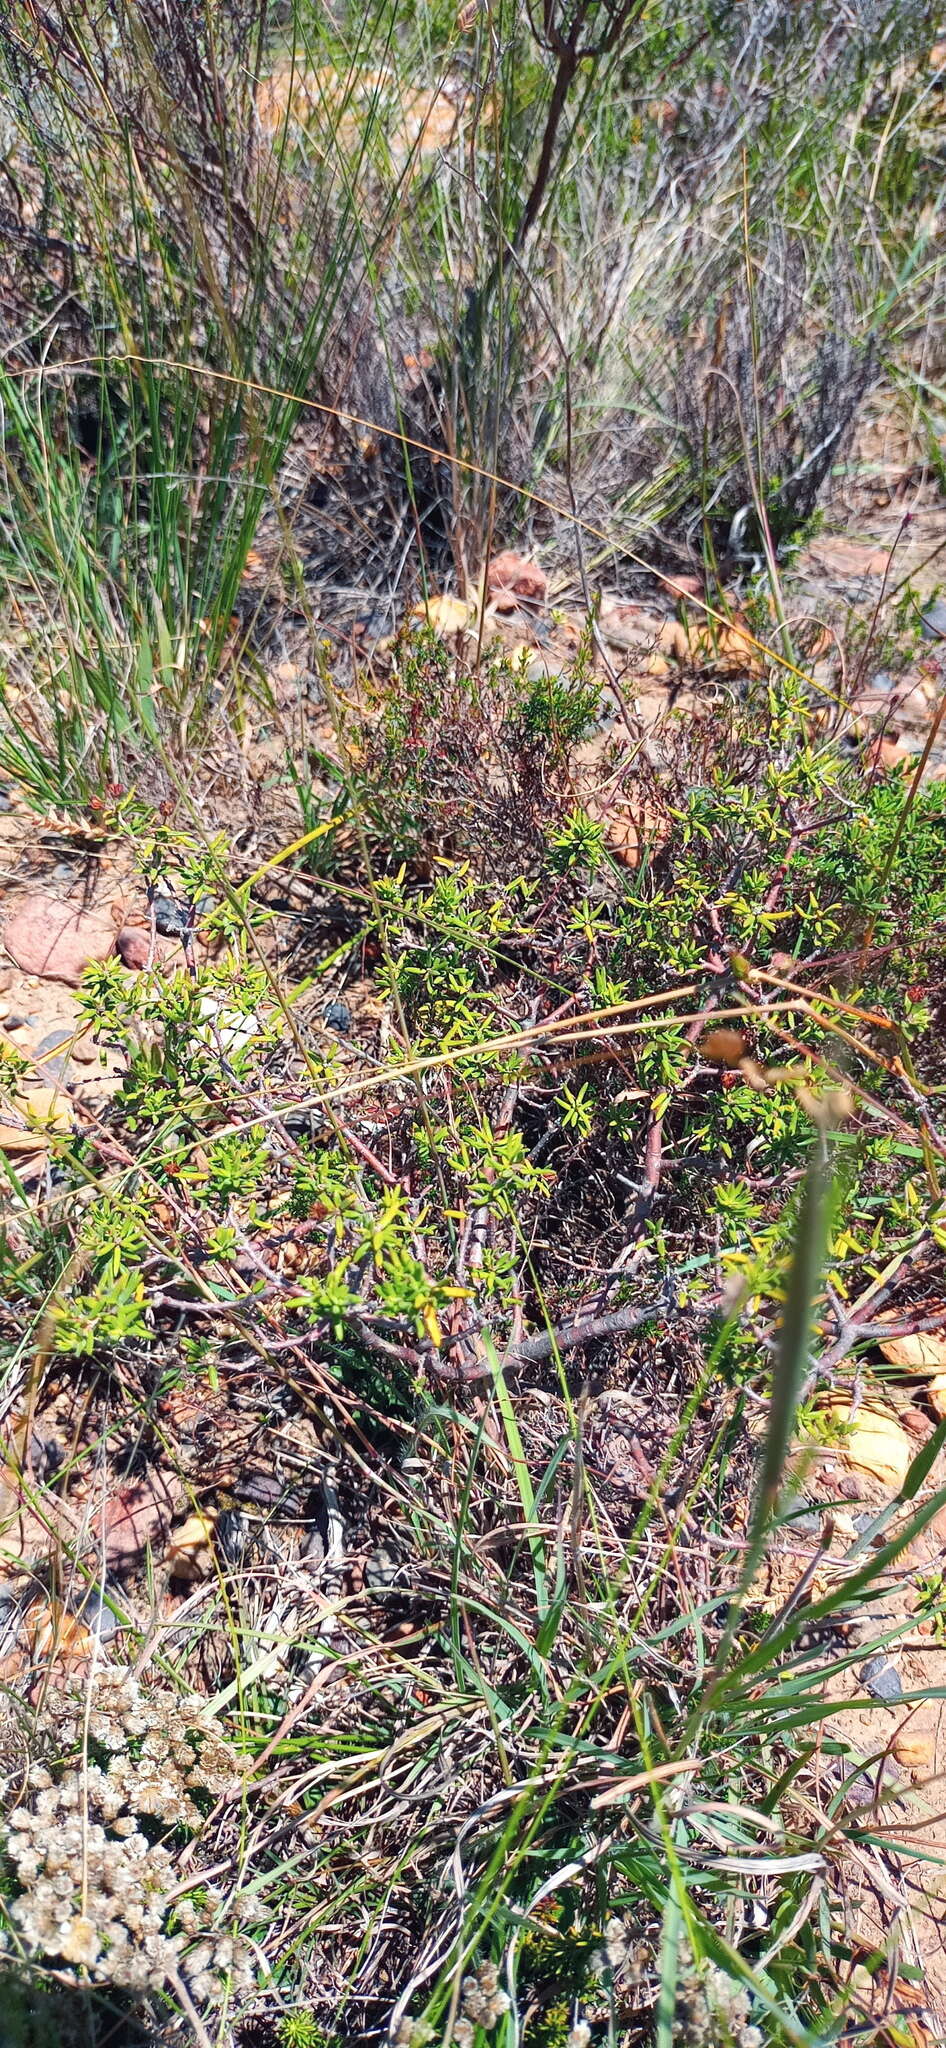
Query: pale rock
[57,940]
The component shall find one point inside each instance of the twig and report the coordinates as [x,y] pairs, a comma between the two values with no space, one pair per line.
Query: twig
[568,1337]
[864,1333]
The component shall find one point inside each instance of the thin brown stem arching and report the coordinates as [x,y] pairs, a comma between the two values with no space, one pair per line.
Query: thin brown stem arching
[563,41]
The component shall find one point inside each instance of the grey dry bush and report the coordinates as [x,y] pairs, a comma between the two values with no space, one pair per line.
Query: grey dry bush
[732,277]
[766,402]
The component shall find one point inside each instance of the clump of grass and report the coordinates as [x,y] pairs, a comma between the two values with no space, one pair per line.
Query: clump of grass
[193,270]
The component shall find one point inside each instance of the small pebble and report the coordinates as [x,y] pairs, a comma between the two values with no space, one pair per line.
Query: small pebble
[228,1031]
[98,1617]
[879,1678]
[5,800]
[85,1050]
[801,1517]
[337,1017]
[263,1489]
[883,680]
[64,872]
[20,1023]
[933,621]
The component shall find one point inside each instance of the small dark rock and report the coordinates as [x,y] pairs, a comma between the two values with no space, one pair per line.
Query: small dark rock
[18,1023]
[262,1489]
[5,800]
[806,1523]
[306,1123]
[234,1535]
[313,1551]
[315,1547]
[337,1017]
[10,1619]
[45,1455]
[879,1678]
[171,919]
[56,1071]
[933,621]
[382,1568]
[51,1043]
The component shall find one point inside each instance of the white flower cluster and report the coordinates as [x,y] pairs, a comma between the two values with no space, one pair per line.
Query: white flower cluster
[620,1954]
[95,1891]
[711,2009]
[483,2004]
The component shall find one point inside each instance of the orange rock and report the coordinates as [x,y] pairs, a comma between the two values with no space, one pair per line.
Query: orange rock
[914,1748]
[419,120]
[723,1047]
[446,615]
[886,754]
[923,1353]
[189,1554]
[630,834]
[674,640]
[936,1395]
[848,557]
[874,1443]
[55,1633]
[514,576]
